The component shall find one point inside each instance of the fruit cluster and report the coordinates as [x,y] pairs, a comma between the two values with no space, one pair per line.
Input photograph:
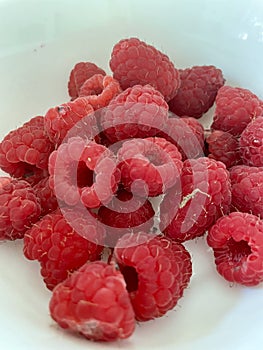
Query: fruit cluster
[105,189]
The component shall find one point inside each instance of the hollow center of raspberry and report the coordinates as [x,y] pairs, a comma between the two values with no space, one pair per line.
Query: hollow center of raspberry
[84,175]
[96,90]
[28,170]
[131,278]
[154,157]
[238,250]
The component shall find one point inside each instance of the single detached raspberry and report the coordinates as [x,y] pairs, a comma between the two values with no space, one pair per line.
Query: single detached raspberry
[24,152]
[19,208]
[149,166]
[235,108]
[202,195]
[156,271]
[83,171]
[139,111]
[100,90]
[60,120]
[187,134]
[197,92]
[224,147]
[61,249]
[94,302]
[251,143]
[126,213]
[46,196]
[247,189]
[135,62]
[237,243]
[79,74]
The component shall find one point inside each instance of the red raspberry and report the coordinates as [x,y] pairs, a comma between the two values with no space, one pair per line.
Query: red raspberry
[187,134]
[59,248]
[237,243]
[235,108]
[149,166]
[197,92]
[139,111]
[247,189]
[156,271]
[79,74]
[19,208]
[94,302]
[100,90]
[82,170]
[24,152]
[46,196]
[224,147]
[135,62]
[251,143]
[126,213]
[197,201]
[59,120]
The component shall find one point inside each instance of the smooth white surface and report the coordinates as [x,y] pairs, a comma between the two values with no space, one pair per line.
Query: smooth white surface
[40,41]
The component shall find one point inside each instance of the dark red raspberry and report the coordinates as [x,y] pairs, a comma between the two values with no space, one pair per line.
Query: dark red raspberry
[237,243]
[135,62]
[19,208]
[60,120]
[149,166]
[24,152]
[197,201]
[126,213]
[235,108]
[224,147]
[251,143]
[247,189]
[156,271]
[46,196]
[139,111]
[79,74]
[100,90]
[59,248]
[187,134]
[94,302]
[197,92]
[83,171]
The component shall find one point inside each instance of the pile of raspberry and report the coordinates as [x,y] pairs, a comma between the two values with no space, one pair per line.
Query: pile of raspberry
[106,188]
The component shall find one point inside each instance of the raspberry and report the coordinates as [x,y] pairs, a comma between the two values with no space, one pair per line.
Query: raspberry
[19,208]
[197,92]
[251,143]
[79,74]
[59,248]
[139,111]
[24,152]
[82,170]
[237,243]
[224,147]
[235,108]
[197,201]
[187,134]
[126,213]
[135,62]
[59,120]
[100,90]
[149,166]
[156,271]
[46,196]
[94,302]
[247,189]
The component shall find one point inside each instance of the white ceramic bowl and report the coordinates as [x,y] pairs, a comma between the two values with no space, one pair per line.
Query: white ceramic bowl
[40,41]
